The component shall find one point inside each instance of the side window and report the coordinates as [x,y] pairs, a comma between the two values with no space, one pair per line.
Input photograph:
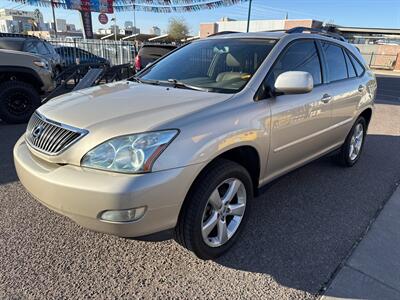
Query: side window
[350,68]
[50,48]
[31,47]
[335,61]
[300,56]
[359,68]
[42,48]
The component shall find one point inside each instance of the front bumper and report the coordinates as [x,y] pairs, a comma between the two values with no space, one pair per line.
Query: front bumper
[47,79]
[82,194]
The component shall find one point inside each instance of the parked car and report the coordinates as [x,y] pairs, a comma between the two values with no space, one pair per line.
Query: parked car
[32,44]
[24,77]
[188,143]
[71,56]
[149,53]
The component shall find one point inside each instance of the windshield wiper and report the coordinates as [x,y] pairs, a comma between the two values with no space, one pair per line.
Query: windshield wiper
[181,84]
[145,81]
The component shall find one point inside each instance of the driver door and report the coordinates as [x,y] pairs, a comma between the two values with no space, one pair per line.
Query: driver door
[299,123]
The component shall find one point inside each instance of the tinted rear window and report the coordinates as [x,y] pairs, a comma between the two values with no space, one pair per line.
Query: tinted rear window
[156,50]
[337,69]
[350,68]
[359,68]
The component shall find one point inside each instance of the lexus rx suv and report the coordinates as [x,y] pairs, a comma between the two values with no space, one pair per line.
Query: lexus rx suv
[187,143]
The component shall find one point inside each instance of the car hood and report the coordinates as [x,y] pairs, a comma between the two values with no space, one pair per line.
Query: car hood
[126,107]
[22,53]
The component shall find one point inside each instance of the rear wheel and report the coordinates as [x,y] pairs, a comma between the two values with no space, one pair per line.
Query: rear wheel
[352,148]
[18,101]
[216,210]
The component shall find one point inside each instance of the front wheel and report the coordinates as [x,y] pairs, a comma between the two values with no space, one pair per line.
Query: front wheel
[352,148]
[18,101]
[215,210]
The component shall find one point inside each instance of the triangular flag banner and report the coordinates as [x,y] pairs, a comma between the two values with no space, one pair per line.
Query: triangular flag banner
[153,6]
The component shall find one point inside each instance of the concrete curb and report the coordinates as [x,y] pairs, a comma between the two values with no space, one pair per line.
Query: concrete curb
[372,271]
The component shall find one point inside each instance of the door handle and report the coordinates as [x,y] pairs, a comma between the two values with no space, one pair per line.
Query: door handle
[326,98]
[361,88]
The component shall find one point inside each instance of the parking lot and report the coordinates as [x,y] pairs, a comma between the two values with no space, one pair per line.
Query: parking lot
[303,227]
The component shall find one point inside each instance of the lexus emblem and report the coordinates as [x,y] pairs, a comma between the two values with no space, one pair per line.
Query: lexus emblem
[37,131]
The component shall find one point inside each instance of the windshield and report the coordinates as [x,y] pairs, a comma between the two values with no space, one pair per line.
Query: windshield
[217,65]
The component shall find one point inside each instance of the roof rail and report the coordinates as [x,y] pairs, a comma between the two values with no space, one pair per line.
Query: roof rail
[5,34]
[320,31]
[222,32]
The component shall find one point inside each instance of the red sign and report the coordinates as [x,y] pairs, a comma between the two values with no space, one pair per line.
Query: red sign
[103,19]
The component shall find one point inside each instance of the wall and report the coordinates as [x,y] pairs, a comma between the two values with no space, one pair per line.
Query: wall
[255,25]
[381,56]
[302,23]
[208,28]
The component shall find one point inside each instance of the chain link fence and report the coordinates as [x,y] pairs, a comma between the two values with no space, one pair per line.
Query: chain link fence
[115,52]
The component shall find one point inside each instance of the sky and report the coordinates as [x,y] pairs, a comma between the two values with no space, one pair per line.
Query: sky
[365,13]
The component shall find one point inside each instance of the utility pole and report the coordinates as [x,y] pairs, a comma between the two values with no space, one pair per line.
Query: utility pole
[115,27]
[54,18]
[248,16]
[134,23]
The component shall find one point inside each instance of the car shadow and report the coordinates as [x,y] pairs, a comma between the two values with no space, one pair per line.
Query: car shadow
[304,224]
[9,134]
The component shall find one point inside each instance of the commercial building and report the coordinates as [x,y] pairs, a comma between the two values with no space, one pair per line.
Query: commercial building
[227,24]
[19,21]
[61,25]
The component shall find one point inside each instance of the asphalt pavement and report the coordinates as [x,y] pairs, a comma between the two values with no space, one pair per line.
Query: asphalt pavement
[303,227]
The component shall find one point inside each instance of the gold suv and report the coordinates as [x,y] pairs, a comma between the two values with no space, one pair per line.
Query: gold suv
[187,142]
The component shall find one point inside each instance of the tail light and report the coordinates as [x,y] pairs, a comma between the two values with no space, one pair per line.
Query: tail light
[138,63]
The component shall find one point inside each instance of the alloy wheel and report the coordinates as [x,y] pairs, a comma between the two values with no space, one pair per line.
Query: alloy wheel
[356,142]
[224,212]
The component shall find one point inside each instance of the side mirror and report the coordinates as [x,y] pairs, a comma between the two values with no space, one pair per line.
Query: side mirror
[294,82]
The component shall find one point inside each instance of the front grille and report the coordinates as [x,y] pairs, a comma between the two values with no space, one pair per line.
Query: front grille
[51,137]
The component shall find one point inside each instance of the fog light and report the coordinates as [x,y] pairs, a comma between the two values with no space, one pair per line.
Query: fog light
[125,215]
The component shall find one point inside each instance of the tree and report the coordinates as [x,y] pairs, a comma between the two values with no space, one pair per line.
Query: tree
[177,28]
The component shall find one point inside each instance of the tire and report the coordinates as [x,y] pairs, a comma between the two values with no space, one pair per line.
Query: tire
[197,211]
[18,101]
[57,71]
[345,156]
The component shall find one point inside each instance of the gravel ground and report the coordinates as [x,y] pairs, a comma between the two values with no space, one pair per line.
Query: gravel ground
[304,225]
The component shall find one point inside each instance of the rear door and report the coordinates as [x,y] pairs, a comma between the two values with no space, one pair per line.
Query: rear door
[344,88]
[298,122]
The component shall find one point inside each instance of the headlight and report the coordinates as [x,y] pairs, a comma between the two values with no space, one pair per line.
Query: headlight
[129,154]
[41,63]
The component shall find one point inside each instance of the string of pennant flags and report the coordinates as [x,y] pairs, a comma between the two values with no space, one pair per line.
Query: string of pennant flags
[176,6]
[153,6]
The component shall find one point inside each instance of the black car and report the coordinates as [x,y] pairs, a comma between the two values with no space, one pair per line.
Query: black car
[71,56]
[32,44]
[150,53]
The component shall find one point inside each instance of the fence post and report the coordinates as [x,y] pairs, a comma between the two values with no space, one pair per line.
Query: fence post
[102,48]
[76,58]
[120,52]
[370,61]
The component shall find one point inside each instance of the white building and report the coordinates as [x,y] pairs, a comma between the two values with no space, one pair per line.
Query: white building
[155,30]
[61,25]
[18,21]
